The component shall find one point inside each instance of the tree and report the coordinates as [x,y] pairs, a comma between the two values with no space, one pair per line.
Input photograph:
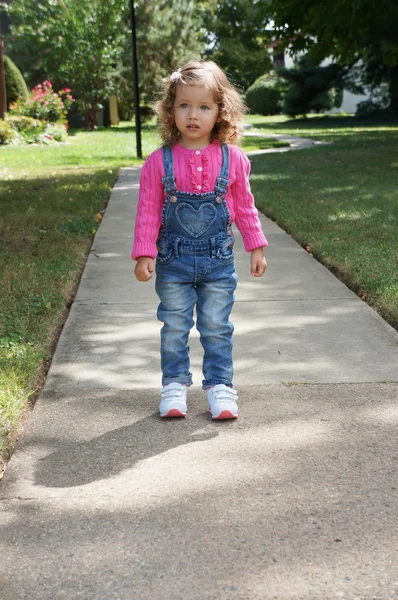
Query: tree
[265,95]
[168,35]
[15,83]
[238,39]
[312,87]
[70,42]
[86,44]
[361,32]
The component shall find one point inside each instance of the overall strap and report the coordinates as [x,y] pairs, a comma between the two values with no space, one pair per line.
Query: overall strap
[168,180]
[222,180]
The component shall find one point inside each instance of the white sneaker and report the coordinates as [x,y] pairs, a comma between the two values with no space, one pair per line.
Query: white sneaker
[222,402]
[173,400]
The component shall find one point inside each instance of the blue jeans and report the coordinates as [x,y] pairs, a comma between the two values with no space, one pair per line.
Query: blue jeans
[208,282]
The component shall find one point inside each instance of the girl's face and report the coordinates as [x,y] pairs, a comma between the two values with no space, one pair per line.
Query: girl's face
[195,114]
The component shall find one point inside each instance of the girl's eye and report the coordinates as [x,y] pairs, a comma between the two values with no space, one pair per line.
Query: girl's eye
[204,107]
[184,105]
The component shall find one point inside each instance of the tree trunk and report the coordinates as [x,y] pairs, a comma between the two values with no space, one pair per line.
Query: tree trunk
[393,89]
[91,117]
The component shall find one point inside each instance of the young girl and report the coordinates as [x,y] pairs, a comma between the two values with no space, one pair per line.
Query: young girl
[191,191]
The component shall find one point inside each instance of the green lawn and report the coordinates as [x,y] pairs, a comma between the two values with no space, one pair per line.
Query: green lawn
[51,198]
[251,142]
[340,199]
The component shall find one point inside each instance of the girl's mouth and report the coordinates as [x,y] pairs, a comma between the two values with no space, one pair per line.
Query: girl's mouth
[192,126]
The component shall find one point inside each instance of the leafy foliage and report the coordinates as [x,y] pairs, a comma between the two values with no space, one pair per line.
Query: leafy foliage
[361,32]
[77,42]
[375,107]
[7,133]
[15,84]
[168,35]
[35,131]
[43,103]
[312,87]
[86,44]
[30,130]
[20,122]
[264,97]
[238,38]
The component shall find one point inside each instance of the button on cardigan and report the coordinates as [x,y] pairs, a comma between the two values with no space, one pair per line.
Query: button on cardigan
[196,171]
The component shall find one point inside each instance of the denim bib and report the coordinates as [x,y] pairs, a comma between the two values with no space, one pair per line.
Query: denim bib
[195,223]
[195,268]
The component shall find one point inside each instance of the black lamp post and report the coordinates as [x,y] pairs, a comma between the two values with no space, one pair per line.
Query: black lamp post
[135,81]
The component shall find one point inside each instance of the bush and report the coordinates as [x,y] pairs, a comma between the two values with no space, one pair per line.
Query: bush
[366,109]
[34,131]
[28,129]
[338,96]
[55,132]
[126,111]
[21,123]
[15,83]
[146,113]
[264,97]
[312,87]
[7,133]
[376,106]
[45,104]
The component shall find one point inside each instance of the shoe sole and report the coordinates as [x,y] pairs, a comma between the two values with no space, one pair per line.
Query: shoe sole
[225,414]
[174,412]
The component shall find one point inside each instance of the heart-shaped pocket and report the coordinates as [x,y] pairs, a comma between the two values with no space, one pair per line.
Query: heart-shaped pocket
[196,222]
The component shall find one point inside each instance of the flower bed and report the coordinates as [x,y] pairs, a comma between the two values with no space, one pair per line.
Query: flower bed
[40,119]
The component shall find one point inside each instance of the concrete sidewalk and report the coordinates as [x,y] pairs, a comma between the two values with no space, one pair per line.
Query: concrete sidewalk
[296,499]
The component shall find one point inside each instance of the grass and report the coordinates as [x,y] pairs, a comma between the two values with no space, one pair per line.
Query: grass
[327,128]
[339,199]
[51,202]
[251,142]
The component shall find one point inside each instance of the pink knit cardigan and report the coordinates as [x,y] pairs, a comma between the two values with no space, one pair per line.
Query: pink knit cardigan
[196,171]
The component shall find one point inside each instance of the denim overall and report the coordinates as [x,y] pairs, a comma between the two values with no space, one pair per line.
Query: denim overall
[195,267]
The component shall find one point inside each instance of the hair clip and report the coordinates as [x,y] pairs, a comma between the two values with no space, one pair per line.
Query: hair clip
[175,76]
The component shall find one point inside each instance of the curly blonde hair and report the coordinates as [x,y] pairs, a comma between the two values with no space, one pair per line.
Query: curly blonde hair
[229,126]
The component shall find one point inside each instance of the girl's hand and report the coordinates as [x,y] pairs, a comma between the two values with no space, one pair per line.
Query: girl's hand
[258,262]
[144,268]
